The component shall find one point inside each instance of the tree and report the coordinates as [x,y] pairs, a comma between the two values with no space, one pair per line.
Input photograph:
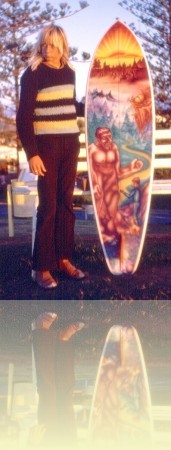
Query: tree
[19,20]
[155,15]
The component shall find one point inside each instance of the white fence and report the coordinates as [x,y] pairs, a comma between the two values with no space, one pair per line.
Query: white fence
[17,200]
[162,159]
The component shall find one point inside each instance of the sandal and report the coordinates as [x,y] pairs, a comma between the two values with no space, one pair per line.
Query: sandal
[70,270]
[44,279]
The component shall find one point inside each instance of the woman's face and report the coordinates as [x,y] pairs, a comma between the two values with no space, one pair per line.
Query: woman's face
[50,53]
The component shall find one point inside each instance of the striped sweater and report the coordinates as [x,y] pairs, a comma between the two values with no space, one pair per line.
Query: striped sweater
[47,105]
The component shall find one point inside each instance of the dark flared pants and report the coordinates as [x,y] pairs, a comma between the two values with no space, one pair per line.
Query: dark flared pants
[54,237]
[54,362]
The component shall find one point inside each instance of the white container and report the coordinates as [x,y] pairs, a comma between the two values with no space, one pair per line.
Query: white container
[89,211]
[23,198]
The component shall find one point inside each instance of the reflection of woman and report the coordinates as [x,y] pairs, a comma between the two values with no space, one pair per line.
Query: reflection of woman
[48,130]
[54,363]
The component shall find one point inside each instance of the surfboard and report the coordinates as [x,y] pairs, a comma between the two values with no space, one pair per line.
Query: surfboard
[119,122]
[121,405]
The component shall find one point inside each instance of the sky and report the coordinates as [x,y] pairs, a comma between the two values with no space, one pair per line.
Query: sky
[85,29]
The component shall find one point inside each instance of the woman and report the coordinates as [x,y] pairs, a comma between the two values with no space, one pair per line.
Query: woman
[47,127]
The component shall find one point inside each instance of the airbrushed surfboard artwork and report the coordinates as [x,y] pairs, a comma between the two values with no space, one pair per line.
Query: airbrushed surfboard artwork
[119,117]
[121,407]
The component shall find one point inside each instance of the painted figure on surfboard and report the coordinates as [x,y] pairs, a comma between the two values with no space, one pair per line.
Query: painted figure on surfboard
[106,173]
[135,196]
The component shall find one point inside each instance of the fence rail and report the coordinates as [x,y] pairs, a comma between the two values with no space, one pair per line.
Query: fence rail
[162,159]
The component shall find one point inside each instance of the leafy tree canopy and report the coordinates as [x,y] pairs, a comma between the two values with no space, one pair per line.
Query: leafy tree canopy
[155,35]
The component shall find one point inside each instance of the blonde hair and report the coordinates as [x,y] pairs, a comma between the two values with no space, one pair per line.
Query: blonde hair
[51,34]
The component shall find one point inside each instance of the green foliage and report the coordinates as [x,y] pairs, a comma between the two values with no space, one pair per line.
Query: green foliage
[83,5]
[162,174]
[154,30]
[85,56]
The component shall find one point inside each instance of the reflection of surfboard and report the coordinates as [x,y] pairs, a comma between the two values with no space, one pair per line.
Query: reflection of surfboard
[121,406]
[120,98]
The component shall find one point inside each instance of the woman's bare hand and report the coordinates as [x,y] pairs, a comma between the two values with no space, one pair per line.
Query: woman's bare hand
[36,166]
